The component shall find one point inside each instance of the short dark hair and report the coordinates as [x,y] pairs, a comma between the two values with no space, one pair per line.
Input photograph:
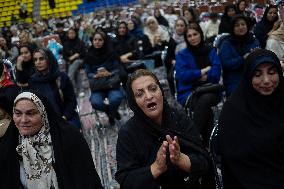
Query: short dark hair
[140,73]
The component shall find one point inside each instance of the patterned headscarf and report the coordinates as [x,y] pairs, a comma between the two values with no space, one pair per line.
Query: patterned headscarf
[37,151]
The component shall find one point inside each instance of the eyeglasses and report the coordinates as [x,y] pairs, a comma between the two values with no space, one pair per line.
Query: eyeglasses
[40,59]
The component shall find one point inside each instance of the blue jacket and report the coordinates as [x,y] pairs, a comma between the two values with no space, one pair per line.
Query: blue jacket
[187,72]
[233,63]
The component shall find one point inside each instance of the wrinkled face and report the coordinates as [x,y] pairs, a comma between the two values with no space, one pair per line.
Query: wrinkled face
[148,97]
[130,25]
[272,14]
[40,63]
[122,29]
[98,41]
[242,6]
[187,15]
[240,27]
[265,79]
[71,34]
[27,118]
[231,12]
[2,41]
[180,27]
[193,37]
[24,51]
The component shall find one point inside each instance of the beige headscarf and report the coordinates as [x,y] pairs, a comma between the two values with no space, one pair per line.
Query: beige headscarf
[159,31]
[37,151]
[277,31]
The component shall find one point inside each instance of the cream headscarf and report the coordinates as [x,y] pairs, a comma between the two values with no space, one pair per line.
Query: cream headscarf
[159,31]
[277,31]
[37,152]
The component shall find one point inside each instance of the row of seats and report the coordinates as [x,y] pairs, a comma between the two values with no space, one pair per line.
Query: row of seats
[62,8]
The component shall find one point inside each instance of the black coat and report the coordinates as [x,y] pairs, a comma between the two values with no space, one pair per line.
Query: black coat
[74,166]
[140,139]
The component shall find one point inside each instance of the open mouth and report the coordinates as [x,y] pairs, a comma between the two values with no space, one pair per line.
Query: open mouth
[152,106]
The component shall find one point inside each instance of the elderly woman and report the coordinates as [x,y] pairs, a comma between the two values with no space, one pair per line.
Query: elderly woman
[55,85]
[159,146]
[251,127]
[42,151]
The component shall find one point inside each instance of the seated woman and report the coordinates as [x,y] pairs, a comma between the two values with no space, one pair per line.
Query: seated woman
[275,41]
[43,151]
[55,85]
[101,62]
[251,128]
[195,66]
[233,51]
[262,28]
[159,146]
[158,36]
[125,45]
[229,13]
[24,66]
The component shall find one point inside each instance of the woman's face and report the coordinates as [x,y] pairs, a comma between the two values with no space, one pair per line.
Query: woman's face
[2,42]
[231,12]
[27,118]
[122,29]
[157,13]
[265,79]
[41,63]
[130,25]
[242,6]
[98,41]
[71,34]
[180,27]
[240,27]
[193,37]
[188,16]
[26,54]
[272,14]
[152,25]
[24,38]
[148,97]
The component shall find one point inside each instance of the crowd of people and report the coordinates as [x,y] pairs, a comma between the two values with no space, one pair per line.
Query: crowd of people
[160,146]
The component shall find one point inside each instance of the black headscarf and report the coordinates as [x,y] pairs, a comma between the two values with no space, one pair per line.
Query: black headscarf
[101,57]
[251,131]
[201,51]
[73,164]
[53,68]
[225,26]
[240,42]
[169,118]
[263,27]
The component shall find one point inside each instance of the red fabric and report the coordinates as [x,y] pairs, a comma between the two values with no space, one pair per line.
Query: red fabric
[5,79]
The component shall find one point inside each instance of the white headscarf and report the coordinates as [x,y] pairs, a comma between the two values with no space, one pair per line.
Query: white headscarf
[37,152]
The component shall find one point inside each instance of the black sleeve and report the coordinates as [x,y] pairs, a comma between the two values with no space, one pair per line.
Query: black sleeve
[130,174]
[69,96]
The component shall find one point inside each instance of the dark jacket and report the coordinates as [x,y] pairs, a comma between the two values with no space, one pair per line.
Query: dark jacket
[57,87]
[232,59]
[140,139]
[251,128]
[73,164]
